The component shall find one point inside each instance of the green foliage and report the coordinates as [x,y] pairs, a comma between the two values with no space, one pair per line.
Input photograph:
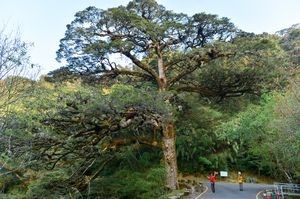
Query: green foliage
[244,134]
[49,185]
[182,45]
[291,42]
[265,137]
[97,141]
[204,163]
[7,181]
[195,137]
[123,96]
[257,62]
[15,69]
[50,140]
[204,54]
[130,184]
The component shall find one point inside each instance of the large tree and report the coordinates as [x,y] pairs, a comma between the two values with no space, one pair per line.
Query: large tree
[176,52]
[15,71]
[15,67]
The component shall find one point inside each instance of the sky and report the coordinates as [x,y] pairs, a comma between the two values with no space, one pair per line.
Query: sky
[43,22]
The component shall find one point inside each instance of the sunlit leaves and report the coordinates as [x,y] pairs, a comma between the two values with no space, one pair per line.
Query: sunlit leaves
[268,133]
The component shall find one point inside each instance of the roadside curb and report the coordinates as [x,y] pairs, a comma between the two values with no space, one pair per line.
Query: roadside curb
[257,195]
[198,197]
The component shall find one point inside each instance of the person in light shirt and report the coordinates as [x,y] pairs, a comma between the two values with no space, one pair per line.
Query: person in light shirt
[240,180]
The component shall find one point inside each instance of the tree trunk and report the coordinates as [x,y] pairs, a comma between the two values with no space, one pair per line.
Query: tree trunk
[162,80]
[168,142]
[169,151]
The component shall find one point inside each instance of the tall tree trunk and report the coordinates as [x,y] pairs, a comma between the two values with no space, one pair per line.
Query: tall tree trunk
[169,135]
[162,79]
[169,151]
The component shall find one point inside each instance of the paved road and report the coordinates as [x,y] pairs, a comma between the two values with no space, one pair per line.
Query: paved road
[231,191]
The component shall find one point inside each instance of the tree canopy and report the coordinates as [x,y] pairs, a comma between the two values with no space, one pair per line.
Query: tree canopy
[202,53]
[144,94]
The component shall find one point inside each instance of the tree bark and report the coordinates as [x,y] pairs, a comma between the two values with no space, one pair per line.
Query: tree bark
[169,150]
[162,81]
[169,135]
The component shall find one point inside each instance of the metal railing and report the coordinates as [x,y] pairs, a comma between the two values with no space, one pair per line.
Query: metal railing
[287,189]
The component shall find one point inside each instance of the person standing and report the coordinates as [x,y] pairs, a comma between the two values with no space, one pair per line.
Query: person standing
[240,180]
[212,180]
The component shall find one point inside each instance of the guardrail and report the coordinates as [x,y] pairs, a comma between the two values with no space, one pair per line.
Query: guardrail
[280,191]
[287,189]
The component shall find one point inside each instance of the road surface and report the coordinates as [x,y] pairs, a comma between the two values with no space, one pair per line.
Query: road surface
[231,191]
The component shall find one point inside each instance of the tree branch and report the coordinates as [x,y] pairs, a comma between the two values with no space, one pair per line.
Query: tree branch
[200,61]
[197,89]
[139,140]
[141,65]
[114,73]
